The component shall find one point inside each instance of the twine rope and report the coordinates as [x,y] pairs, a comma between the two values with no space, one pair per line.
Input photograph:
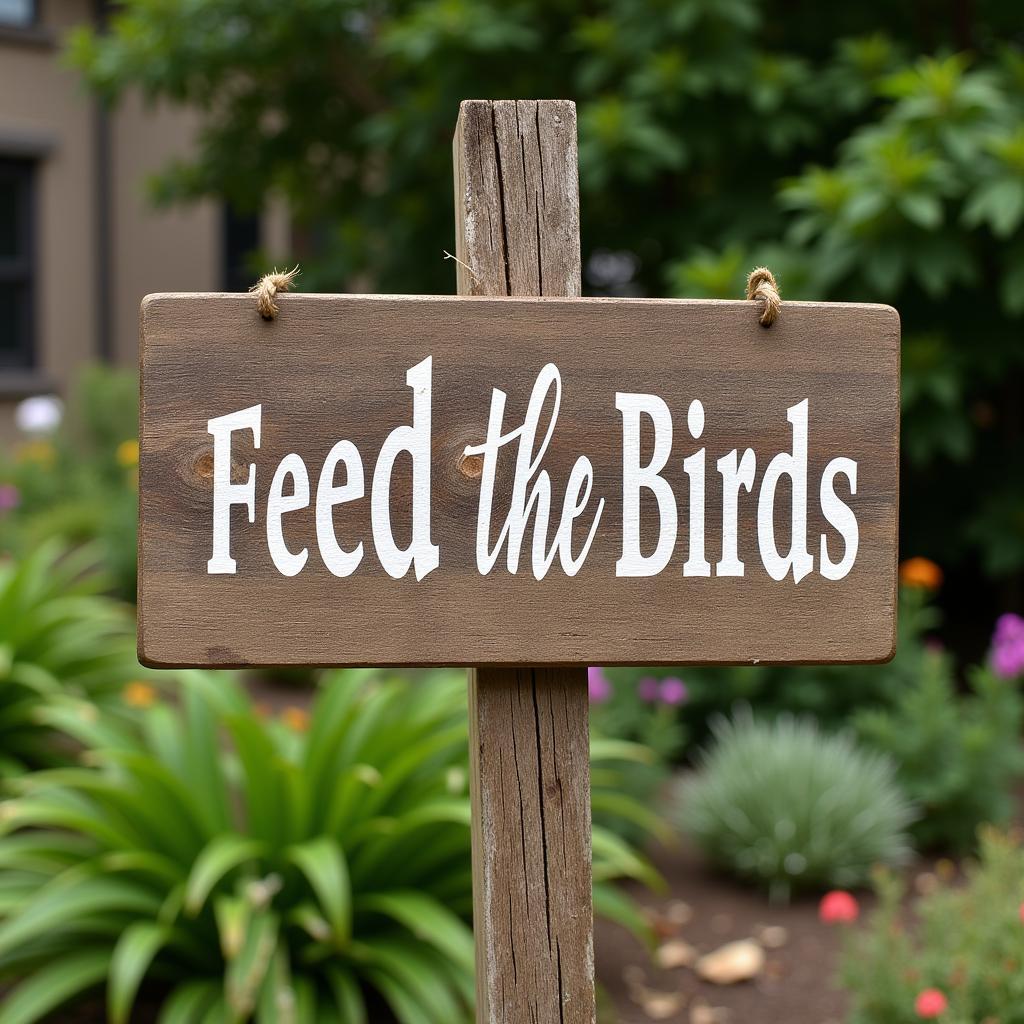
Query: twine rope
[268,287]
[761,286]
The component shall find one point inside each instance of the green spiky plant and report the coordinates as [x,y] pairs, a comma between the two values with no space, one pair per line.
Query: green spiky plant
[229,868]
[58,634]
[787,806]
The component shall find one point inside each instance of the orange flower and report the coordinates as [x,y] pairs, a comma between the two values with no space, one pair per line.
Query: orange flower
[139,695]
[296,718]
[127,453]
[920,572]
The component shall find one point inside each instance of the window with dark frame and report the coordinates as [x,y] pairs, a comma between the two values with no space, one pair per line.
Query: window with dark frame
[17,202]
[20,13]
[240,233]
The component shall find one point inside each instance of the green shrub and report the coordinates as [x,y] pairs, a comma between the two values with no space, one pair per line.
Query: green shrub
[830,693]
[957,756]
[79,483]
[787,806]
[650,722]
[968,943]
[239,868]
[58,635]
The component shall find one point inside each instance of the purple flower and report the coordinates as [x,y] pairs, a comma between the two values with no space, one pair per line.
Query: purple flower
[673,691]
[1008,646]
[10,497]
[1009,627]
[599,687]
[648,689]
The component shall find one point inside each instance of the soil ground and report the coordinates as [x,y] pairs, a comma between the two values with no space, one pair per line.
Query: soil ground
[797,985]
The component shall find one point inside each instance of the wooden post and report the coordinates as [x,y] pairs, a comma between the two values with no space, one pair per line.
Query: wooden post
[517,233]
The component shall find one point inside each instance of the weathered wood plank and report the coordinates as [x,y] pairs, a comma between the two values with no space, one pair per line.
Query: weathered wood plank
[517,198]
[529,729]
[333,367]
[530,784]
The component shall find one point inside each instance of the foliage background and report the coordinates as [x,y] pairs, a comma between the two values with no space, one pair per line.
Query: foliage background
[870,152]
[874,153]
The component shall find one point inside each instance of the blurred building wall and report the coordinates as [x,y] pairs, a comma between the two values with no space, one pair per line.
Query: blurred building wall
[98,245]
[168,250]
[46,119]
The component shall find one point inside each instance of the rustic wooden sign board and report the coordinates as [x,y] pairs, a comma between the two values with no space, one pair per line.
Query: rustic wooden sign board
[474,481]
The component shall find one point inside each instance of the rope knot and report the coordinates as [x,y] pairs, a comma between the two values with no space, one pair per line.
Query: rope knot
[267,288]
[761,285]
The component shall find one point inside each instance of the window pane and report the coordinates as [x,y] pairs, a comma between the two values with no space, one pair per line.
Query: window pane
[17,12]
[10,214]
[241,238]
[14,326]
[16,285]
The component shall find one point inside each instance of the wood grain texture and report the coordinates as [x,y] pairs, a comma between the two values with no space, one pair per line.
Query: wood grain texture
[530,788]
[333,367]
[529,728]
[517,198]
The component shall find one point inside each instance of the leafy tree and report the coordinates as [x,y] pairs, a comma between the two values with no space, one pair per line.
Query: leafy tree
[875,154]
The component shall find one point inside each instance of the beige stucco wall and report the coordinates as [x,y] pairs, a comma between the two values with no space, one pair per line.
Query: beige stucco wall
[43,107]
[169,250]
[45,111]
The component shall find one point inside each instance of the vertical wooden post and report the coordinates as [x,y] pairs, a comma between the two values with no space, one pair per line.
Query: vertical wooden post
[517,233]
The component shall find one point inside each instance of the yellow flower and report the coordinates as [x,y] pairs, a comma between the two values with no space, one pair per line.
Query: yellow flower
[920,572]
[41,452]
[295,718]
[128,454]
[139,695]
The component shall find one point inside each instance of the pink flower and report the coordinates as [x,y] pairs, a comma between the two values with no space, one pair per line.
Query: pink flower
[599,687]
[10,497]
[649,689]
[838,907]
[1021,912]
[1008,646]
[1008,661]
[673,691]
[1009,627]
[930,1003]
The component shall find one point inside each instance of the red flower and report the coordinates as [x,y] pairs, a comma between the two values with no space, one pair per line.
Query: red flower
[930,1003]
[838,907]
[1021,912]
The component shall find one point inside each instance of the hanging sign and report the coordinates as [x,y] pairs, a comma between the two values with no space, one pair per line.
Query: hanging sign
[439,481]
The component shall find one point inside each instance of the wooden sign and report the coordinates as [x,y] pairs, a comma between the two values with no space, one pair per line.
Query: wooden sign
[473,481]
